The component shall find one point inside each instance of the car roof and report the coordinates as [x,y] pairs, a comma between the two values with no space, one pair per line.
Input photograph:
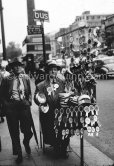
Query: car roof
[104,58]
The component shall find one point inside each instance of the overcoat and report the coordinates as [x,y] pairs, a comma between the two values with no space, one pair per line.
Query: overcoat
[47,119]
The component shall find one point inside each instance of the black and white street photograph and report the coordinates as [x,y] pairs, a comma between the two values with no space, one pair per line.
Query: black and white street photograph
[56,83]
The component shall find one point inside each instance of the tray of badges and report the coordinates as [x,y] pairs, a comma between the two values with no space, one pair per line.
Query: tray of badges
[74,117]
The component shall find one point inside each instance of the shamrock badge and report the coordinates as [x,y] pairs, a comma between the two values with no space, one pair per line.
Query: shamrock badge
[49,90]
[55,86]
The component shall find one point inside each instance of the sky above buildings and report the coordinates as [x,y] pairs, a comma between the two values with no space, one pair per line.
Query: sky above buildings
[62,13]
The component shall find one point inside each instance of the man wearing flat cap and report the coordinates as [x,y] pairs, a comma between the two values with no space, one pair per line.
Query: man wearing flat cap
[15,95]
[47,98]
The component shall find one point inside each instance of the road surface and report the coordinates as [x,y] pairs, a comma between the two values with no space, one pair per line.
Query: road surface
[105,99]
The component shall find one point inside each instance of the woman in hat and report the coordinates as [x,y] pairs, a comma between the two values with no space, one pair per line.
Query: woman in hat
[15,95]
[47,98]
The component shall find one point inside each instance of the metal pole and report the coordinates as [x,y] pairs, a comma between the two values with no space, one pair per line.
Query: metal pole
[43,40]
[81,150]
[2,31]
[0,145]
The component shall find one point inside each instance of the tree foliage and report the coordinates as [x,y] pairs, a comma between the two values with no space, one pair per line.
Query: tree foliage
[13,50]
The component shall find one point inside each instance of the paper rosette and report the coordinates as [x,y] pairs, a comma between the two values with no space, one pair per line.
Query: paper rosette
[41,98]
[44,109]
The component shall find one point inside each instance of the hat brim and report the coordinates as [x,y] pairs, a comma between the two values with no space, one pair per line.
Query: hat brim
[16,64]
[48,67]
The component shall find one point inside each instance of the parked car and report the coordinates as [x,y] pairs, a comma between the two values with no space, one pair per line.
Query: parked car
[102,56]
[110,52]
[104,66]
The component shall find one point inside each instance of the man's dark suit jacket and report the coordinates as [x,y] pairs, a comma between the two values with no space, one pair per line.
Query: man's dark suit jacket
[7,86]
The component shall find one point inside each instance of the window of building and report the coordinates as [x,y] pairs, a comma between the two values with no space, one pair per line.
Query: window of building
[38,47]
[87,17]
[98,17]
[92,17]
[37,40]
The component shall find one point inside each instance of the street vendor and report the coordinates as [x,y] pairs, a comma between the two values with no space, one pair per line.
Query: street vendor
[47,98]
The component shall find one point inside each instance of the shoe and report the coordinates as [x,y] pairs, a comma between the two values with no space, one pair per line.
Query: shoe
[65,155]
[56,152]
[2,119]
[19,159]
[27,147]
[15,152]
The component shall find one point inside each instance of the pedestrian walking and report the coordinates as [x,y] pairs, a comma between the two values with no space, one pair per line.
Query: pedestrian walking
[48,91]
[16,98]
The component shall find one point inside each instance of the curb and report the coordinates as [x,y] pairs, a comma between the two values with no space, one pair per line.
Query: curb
[92,156]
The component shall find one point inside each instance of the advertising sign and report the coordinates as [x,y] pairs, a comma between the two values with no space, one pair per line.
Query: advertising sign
[41,15]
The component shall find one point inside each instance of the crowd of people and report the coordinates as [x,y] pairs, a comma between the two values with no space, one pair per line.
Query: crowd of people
[16,99]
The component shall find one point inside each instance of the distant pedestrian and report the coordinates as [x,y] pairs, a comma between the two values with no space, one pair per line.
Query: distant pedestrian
[15,94]
[40,74]
[3,74]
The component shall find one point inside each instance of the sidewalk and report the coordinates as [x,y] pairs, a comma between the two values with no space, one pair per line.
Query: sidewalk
[92,156]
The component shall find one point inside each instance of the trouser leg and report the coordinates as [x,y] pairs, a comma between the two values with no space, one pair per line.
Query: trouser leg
[25,124]
[13,126]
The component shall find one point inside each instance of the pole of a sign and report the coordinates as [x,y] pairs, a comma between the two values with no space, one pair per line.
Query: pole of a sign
[2,31]
[43,40]
[81,150]
[0,145]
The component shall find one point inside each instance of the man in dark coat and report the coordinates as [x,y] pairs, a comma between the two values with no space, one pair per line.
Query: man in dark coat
[15,95]
[50,88]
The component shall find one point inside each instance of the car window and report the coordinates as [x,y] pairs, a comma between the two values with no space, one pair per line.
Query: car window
[99,62]
[108,61]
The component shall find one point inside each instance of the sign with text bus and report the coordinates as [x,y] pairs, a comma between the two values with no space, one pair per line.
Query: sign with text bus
[41,15]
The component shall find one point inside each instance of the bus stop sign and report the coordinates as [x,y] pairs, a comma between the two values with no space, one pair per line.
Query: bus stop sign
[41,15]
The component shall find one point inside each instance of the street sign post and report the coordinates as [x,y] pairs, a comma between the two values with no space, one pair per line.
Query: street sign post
[40,15]
[2,31]
[43,40]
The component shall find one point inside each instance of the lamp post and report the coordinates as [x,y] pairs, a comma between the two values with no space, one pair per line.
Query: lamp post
[2,31]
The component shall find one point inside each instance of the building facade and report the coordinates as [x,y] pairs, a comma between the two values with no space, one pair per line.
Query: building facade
[32,46]
[52,43]
[79,30]
[109,28]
